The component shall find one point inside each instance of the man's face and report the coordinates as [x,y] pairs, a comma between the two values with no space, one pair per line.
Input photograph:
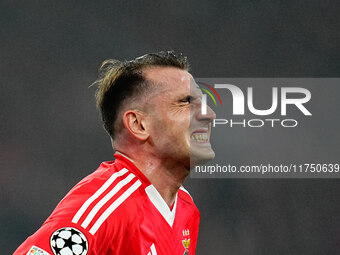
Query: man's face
[178,129]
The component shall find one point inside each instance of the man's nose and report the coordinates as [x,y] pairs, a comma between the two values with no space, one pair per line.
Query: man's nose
[209,116]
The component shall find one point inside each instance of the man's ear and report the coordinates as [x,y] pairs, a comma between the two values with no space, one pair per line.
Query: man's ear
[135,122]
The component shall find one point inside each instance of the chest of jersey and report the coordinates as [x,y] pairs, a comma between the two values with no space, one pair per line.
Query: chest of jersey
[157,234]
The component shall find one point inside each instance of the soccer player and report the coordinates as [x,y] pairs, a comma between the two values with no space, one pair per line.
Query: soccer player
[151,108]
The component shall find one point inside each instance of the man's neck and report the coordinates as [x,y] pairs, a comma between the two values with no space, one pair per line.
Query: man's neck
[167,179]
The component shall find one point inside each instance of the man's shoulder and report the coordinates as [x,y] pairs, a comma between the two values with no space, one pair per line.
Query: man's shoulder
[109,196]
[97,210]
[184,195]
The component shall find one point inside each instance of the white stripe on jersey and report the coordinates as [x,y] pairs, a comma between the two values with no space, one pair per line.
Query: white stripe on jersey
[114,205]
[97,194]
[153,249]
[104,200]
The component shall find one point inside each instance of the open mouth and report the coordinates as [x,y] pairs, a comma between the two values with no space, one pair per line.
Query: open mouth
[200,136]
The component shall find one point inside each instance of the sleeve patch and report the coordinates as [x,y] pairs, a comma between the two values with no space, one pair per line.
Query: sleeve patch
[37,251]
[69,241]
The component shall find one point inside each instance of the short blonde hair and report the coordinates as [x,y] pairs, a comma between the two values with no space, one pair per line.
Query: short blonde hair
[119,81]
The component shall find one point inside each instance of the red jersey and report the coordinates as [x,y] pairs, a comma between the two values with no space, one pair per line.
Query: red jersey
[116,210]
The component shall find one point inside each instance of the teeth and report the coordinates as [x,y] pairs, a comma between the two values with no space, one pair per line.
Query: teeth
[200,137]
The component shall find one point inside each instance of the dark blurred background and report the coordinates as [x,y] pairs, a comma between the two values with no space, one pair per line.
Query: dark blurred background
[51,133]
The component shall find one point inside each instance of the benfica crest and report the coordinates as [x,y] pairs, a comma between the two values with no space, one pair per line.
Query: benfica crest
[186,241]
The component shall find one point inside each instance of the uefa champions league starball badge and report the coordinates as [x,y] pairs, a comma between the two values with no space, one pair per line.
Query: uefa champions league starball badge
[69,241]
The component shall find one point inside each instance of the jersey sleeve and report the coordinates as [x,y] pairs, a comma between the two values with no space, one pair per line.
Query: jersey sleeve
[95,217]
[92,219]
[56,237]
[59,235]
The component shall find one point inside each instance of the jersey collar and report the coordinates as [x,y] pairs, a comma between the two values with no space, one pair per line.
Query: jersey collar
[151,191]
[161,205]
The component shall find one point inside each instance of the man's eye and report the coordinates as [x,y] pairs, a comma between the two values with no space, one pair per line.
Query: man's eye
[187,99]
